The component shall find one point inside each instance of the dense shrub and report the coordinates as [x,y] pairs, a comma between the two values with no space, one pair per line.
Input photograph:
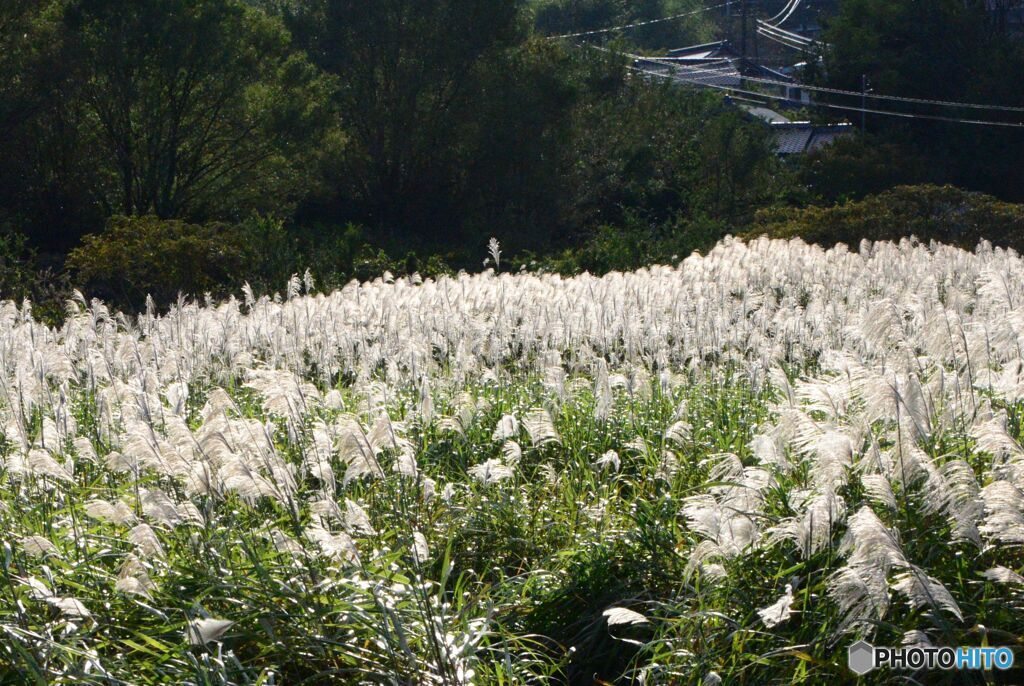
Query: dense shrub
[941,213]
[14,267]
[854,167]
[22,278]
[139,256]
[136,257]
[637,243]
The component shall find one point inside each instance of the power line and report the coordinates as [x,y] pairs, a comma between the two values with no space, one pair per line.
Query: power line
[782,40]
[793,7]
[634,25]
[718,73]
[887,113]
[837,91]
[796,37]
[784,9]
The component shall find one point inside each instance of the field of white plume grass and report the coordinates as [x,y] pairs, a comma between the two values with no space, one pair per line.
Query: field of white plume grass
[721,472]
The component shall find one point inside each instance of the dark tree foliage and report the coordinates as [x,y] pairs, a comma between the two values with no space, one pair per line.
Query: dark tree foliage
[413,75]
[180,108]
[44,176]
[197,107]
[665,153]
[953,50]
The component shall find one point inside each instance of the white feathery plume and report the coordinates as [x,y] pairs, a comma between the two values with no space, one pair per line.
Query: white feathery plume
[40,463]
[609,461]
[199,632]
[668,467]
[511,453]
[922,590]
[119,463]
[327,509]
[134,579]
[426,401]
[105,511]
[334,400]
[338,546]
[37,546]
[779,611]
[992,437]
[679,433]
[961,500]
[283,543]
[491,472]
[540,427]
[1004,512]
[177,397]
[218,403]
[812,530]
[83,446]
[871,544]
[420,548]
[917,639]
[358,452]
[878,488]
[158,506]
[507,428]
[769,454]
[145,540]
[602,392]
[622,616]
[36,588]
[236,476]
[405,464]
[861,592]
[70,607]
[356,519]
[1003,575]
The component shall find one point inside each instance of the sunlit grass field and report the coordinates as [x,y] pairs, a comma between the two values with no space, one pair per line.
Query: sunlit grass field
[725,471]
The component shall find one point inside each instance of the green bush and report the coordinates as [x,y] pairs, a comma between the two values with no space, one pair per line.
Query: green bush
[636,244]
[941,213]
[22,278]
[854,167]
[15,269]
[139,256]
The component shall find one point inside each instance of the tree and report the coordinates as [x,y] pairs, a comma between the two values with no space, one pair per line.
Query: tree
[948,50]
[410,74]
[43,180]
[668,153]
[195,108]
[855,166]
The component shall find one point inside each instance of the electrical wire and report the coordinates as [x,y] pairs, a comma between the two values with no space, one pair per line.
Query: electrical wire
[792,9]
[634,25]
[784,33]
[859,94]
[801,47]
[785,8]
[847,108]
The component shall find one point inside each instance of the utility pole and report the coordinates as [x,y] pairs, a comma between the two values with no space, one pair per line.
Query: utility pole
[743,36]
[756,13]
[863,102]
